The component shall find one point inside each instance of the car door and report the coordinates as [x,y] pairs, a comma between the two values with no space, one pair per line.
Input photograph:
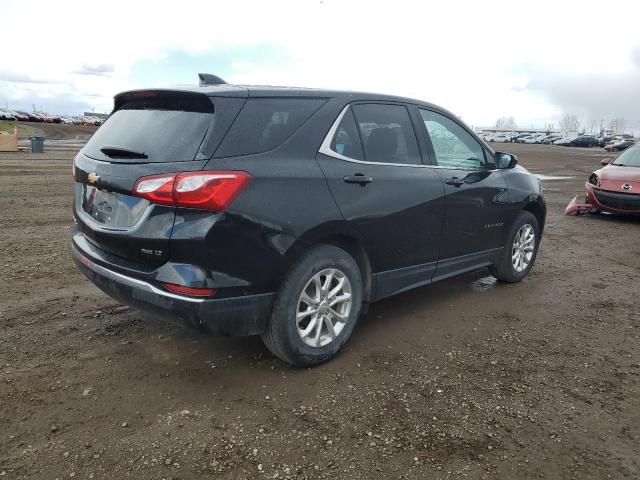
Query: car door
[476,194]
[373,166]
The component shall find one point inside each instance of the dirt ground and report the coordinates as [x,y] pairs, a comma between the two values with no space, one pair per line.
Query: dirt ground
[464,378]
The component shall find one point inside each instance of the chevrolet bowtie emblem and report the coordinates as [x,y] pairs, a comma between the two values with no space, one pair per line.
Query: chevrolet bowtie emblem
[93,178]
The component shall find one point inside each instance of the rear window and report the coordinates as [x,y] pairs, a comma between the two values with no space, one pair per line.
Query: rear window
[160,127]
[265,123]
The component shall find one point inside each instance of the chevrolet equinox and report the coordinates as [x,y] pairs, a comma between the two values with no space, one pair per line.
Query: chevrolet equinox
[284,212]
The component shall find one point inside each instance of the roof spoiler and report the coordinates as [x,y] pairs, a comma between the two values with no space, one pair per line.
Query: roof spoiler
[209,79]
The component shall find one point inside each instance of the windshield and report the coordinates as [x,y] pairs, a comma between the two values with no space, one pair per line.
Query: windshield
[628,158]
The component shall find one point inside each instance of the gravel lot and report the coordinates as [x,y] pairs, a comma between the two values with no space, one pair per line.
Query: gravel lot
[464,378]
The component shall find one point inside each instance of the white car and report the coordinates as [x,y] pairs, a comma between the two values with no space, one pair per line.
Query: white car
[533,138]
[500,138]
[4,115]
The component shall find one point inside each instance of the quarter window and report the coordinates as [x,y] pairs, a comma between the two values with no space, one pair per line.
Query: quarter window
[346,141]
[387,133]
[453,146]
[265,123]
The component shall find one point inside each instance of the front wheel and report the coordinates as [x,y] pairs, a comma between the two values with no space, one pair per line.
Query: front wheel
[316,309]
[519,253]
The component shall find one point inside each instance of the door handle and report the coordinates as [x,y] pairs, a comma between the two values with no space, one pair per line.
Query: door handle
[455,181]
[359,178]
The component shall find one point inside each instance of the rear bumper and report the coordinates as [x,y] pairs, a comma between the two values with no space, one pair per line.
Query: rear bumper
[236,316]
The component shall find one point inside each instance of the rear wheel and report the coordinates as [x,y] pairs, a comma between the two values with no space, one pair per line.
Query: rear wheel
[316,309]
[520,250]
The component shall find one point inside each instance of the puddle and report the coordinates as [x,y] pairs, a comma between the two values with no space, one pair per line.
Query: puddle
[551,177]
[484,283]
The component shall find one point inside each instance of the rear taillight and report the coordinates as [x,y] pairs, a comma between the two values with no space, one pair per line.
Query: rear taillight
[208,190]
[192,291]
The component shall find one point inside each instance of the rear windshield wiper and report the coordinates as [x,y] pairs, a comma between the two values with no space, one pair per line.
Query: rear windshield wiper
[121,152]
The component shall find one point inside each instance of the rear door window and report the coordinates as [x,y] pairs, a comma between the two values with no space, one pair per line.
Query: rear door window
[265,123]
[387,133]
[161,127]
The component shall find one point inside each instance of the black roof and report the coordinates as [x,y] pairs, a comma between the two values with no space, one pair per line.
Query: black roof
[229,90]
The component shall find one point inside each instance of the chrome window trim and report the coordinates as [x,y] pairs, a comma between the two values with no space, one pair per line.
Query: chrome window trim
[325,149]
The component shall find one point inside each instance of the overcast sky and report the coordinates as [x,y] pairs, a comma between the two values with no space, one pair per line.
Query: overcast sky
[535,61]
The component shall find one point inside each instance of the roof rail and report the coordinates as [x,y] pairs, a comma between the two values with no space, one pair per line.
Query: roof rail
[209,79]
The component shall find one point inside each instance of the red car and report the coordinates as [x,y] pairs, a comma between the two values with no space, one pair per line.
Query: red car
[615,188]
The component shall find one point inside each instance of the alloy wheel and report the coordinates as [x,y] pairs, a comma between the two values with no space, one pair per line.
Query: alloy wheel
[523,247]
[323,307]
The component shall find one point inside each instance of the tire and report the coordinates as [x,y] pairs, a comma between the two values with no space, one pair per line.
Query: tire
[284,333]
[504,269]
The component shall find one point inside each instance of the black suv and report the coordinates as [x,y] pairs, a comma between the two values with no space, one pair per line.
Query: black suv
[285,212]
[583,141]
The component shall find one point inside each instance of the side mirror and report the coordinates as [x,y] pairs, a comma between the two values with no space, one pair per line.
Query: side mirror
[605,161]
[506,160]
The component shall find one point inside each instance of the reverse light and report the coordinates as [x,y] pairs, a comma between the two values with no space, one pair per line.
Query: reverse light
[156,188]
[192,291]
[210,190]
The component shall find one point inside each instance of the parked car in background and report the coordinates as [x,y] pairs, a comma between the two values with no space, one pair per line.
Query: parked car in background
[20,116]
[35,117]
[97,121]
[188,205]
[86,120]
[604,139]
[620,145]
[544,138]
[527,138]
[581,141]
[499,138]
[550,139]
[515,138]
[534,138]
[5,115]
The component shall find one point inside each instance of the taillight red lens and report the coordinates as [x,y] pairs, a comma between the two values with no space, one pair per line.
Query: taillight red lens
[194,292]
[156,188]
[211,190]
